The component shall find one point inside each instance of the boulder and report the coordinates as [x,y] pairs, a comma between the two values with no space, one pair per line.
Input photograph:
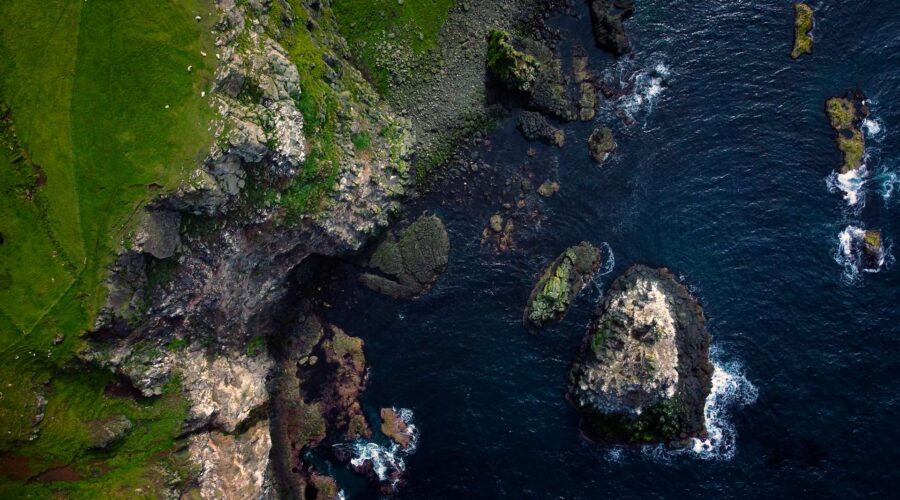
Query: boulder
[607,18]
[643,373]
[534,127]
[601,144]
[103,433]
[407,267]
[559,284]
[157,233]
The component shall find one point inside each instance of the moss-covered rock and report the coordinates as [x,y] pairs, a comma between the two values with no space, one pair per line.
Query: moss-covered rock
[643,371]
[407,267]
[514,68]
[845,114]
[560,283]
[548,188]
[601,144]
[803,25]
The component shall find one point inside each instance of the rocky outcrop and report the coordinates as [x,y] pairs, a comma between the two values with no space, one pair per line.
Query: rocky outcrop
[559,284]
[803,25]
[643,371]
[232,466]
[601,144]
[873,249]
[607,17]
[535,127]
[395,427]
[587,89]
[845,115]
[532,71]
[548,188]
[409,265]
[105,432]
[157,233]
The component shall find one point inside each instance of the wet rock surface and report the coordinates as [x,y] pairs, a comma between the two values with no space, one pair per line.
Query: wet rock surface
[643,371]
[535,127]
[607,17]
[601,144]
[559,284]
[410,264]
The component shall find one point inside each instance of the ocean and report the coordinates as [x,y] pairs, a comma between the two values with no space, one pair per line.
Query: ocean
[724,173]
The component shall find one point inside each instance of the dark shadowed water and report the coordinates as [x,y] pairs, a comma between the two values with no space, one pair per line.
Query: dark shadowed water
[723,178]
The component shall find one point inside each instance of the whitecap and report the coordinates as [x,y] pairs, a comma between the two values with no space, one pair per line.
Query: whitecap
[851,184]
[386,458]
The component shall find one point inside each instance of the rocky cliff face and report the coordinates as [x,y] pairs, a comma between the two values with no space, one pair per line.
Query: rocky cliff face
[228,267]
[643,371]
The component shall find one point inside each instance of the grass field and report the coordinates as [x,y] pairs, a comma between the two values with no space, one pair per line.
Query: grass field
[369,24]
[99,109]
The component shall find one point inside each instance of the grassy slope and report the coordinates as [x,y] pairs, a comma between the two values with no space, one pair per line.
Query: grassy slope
[368,23]
[87,84]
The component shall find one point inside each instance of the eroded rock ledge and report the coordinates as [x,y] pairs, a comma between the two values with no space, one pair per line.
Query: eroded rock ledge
[643,372]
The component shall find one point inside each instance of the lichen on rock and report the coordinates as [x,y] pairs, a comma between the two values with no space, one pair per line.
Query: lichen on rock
[845,115]
[559,284]
[803,25]
[643,371]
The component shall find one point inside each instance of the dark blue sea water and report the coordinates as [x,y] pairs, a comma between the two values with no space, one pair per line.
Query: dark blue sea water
[723,179]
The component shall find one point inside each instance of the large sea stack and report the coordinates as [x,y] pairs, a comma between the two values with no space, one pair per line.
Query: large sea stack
[643,373]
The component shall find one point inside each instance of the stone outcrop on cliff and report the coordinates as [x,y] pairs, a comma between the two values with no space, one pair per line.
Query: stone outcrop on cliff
[407,266]
[559,284]
[643,371]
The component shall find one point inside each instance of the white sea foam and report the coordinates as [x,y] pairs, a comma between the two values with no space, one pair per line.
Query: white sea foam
[730,389]
[609,263]
[642,85]
[887,181]
[873,128]
[386,459]
[850,183]
[850,257]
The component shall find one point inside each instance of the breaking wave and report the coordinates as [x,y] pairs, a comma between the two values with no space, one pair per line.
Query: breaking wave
[388,461]
[851,184]
[639,88]
[852,258]
[730,389]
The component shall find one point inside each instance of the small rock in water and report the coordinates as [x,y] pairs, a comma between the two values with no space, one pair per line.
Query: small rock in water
[601,144]
[548,188]
[497,223]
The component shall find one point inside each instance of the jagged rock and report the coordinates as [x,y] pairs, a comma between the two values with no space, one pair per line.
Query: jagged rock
[105,432]
[643,371]
[412,264]
[232,466]
[157,233]
[126,291]
[607,18]
[559,284]
[601,144]
[548,188]
[514,68]
[534,126]
[224,390]
[394,427]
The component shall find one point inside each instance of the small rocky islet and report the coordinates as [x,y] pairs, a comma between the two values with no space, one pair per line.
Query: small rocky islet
[642,374]
[803,25]
[845,115]
[559,284]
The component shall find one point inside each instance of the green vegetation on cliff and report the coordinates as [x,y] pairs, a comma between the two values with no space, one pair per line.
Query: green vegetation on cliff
[100,110]
[844,116]
[381,31]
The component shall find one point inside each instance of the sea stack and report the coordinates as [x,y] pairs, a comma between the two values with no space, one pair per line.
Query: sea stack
[845,115]
[803,25]
[559,284]
[607,17]
[643,373]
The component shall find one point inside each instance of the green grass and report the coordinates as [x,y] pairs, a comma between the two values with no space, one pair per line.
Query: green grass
[100,101]
[803,24]
[368,25]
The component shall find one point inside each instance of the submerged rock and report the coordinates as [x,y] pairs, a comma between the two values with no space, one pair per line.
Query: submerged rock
[643,371]
[609,31]
[845,114]
[535,127]
[803,25]
[601,144]
[411,265]
[560,283]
